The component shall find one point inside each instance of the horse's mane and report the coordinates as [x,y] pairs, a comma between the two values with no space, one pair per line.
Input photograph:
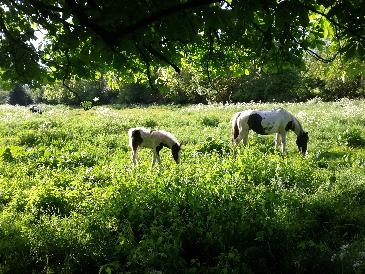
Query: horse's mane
[298,127]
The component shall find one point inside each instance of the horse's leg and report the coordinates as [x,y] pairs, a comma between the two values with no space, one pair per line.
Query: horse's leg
[235,141]
[243,135]
[134,156]
[277,140]
[158,156]
[283,142]
[238,138]
[154,157]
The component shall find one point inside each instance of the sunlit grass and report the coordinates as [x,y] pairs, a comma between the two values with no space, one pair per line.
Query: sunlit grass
[70,200]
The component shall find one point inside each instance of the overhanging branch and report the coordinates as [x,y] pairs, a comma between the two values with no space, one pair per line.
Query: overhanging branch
[148,67]
[313,53]
[112,38]
[124,31]
[163,58]
[109,38]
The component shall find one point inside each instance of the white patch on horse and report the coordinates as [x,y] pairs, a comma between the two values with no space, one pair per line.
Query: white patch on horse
[35,109]
[278,121]
[155,140]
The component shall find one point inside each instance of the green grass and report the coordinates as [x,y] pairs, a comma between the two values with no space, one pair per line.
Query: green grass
[70,201]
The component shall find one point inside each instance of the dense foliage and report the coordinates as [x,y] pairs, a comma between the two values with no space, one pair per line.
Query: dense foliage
[192,87]
[43,40]
[70,201]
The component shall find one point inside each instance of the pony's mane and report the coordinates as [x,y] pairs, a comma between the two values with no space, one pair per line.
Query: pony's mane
[298,127]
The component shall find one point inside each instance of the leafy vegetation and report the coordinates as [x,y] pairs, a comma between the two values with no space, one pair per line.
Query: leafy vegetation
[42,41]
[192,87]
[70,201]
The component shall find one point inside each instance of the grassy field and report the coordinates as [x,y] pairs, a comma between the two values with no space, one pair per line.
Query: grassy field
[70,201]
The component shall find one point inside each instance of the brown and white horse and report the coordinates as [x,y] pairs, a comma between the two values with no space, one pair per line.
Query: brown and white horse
[155,140]
[264,122]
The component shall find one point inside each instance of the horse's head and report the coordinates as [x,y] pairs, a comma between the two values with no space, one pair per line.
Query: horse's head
[176,148]
[302,142]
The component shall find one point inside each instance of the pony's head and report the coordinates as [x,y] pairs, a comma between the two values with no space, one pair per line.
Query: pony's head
[302,142]
[175,149]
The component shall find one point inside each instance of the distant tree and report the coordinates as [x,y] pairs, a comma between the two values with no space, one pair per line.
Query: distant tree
[19,96]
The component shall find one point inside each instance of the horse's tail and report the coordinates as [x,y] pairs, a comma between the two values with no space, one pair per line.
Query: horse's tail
[235,130]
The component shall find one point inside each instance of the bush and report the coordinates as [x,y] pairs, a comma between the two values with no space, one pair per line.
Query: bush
[214,145]
[80,90]
[210,121]
[351,138]
[86,105]
[268,87]
[137,93]
[19,96]
[338,88]
[189,86]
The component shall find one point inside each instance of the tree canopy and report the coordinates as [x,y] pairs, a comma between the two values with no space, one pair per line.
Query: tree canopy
[41,40]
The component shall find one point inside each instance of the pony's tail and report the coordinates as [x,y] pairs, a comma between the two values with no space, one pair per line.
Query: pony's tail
[235,130]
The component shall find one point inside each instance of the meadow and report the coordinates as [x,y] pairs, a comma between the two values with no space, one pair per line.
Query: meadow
[71,202]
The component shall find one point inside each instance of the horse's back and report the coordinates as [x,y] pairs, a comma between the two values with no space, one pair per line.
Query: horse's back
[274,114]
[264,121]
[165,137]
[151,138]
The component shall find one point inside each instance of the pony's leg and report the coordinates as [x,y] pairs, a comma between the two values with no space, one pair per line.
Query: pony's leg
[134,156]
[243,135]
[156,157]
[277,140]
[283,143]
[237,140]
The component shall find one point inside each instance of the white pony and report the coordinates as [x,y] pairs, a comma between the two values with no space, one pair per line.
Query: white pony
[278,121]
[154,139]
